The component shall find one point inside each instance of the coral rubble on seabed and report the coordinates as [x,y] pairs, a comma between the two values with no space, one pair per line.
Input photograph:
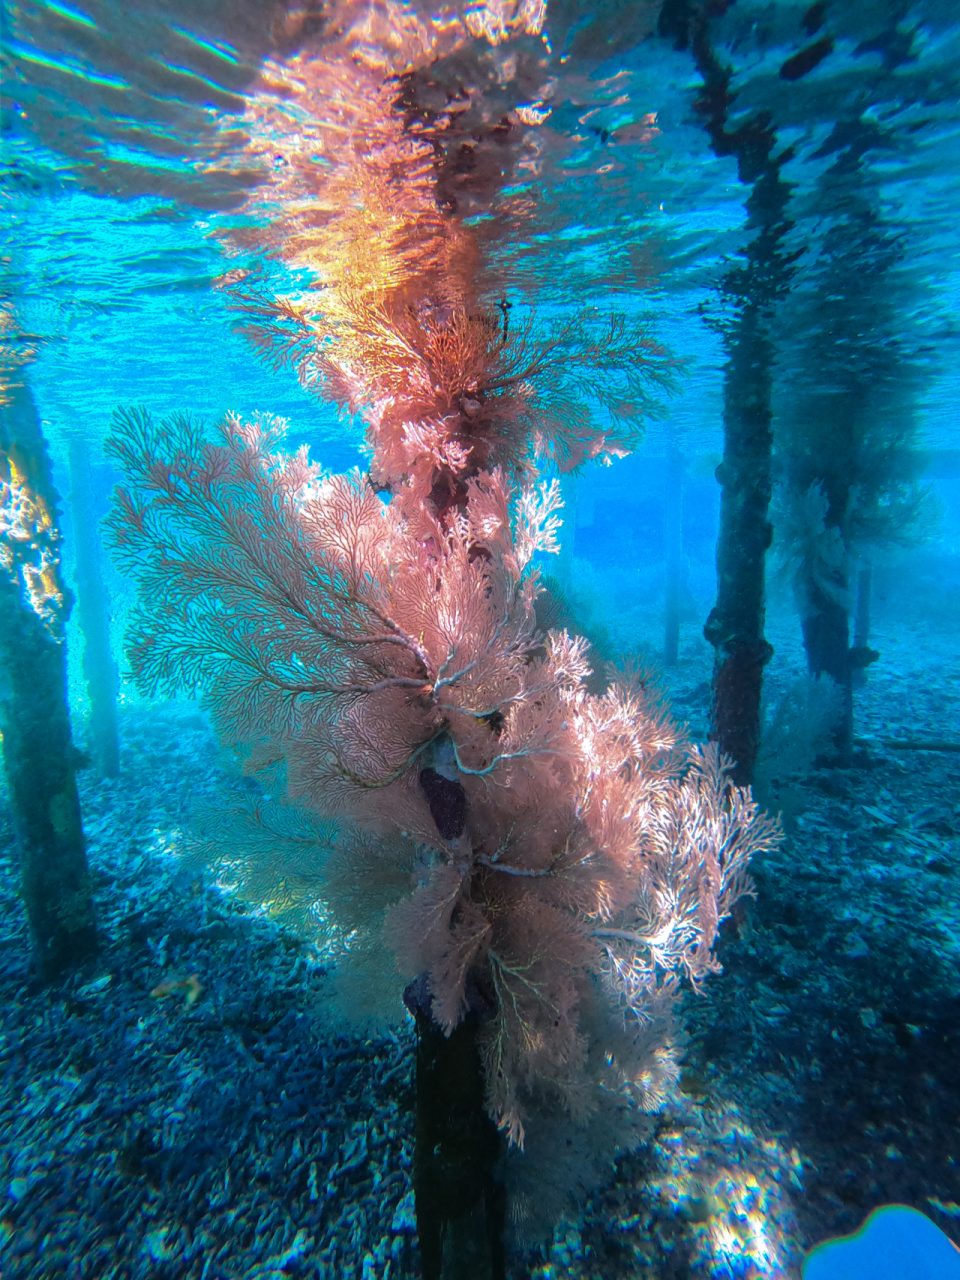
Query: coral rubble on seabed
[837,1020]
[151,1125]
[219,1129]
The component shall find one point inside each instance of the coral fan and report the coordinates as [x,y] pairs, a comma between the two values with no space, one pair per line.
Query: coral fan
[523,843]
[548,859]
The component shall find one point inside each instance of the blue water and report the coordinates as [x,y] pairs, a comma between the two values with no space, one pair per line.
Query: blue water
[768,194]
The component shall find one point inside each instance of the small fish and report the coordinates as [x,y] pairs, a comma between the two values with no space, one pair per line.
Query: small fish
[191,987]
[94,988]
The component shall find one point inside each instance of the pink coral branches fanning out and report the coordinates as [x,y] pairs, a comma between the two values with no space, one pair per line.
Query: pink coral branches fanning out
[367,653]
[537,846]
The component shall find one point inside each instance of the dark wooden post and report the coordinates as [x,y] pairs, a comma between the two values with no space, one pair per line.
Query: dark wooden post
[826,640]
[93,606]
[861,655]
[38,753]
[460,1201]
[735,627]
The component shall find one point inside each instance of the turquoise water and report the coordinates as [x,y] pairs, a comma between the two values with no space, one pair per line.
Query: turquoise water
[198,199]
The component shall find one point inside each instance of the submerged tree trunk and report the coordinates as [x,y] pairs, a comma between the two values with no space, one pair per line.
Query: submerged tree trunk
[99,667]
[38,752]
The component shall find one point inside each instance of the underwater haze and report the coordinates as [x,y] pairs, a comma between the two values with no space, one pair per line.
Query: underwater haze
[479,662]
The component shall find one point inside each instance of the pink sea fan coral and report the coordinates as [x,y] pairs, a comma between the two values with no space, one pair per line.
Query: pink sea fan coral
[565,857]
